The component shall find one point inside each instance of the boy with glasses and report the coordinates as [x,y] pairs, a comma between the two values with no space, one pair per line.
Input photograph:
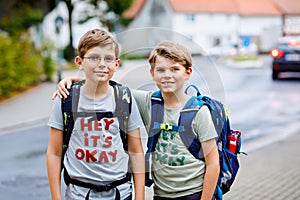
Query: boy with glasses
[95,159]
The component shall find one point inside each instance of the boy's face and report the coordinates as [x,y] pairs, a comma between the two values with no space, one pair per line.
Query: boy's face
[169,75]
[99,63]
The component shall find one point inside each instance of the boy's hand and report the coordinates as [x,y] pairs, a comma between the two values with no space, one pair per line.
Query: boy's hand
[62,88]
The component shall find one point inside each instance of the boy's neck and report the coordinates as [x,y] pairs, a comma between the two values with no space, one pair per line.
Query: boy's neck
[95,90]
[172,100]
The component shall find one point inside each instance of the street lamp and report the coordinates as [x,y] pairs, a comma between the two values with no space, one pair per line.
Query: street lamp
[58,24]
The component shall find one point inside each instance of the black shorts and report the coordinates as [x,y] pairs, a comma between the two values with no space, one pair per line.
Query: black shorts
[195,196]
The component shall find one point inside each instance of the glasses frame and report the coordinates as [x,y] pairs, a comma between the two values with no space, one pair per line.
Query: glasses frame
[97,59]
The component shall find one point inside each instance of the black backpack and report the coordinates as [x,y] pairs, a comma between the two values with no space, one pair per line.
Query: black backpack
[123,101]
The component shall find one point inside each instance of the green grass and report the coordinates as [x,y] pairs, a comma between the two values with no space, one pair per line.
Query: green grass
[132,56]
[245,58]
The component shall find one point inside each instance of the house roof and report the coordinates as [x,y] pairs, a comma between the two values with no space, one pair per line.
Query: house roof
[291,7]
[242,7]
[258,8]
[205,6]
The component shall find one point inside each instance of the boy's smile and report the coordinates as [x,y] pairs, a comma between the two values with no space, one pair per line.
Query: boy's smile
[167,83]
[100,72]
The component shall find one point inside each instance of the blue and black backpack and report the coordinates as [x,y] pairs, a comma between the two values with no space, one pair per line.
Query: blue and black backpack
[228,141]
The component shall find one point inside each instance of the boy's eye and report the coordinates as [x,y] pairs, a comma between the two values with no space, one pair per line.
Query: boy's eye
[94,58]
[109,58]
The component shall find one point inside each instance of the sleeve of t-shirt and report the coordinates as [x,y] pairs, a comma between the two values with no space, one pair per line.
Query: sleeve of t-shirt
[203,125]
[143,100]
[135,120]
[56,118]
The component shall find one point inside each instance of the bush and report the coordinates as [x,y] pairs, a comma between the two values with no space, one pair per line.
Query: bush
[21,65]
[132,56]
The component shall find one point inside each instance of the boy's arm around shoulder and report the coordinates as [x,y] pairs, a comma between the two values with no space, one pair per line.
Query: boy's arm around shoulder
[137,161]
[143,101]
[64,86]
[53,158]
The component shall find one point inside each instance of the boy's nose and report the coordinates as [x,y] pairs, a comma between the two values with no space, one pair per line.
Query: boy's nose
[167,73]
[101,62]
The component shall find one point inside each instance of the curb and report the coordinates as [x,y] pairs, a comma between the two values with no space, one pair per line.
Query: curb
[23,125]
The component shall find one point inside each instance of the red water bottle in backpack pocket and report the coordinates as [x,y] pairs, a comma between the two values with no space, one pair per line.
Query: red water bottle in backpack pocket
[232,141]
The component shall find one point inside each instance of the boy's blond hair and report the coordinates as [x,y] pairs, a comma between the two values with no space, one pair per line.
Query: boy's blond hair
[96,37]
[172,51]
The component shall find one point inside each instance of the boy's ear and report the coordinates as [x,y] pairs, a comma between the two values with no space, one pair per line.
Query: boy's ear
[188,73]
[117,64]
[151,72]
[78,62]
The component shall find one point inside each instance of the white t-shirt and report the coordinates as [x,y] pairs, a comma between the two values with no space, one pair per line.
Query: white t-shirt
[95,154]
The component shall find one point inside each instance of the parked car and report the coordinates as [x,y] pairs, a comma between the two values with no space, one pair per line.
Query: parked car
[286,56]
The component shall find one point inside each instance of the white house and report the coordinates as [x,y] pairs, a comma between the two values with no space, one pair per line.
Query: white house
[204,25]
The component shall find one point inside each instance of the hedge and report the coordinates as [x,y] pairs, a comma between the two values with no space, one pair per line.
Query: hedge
[21,65]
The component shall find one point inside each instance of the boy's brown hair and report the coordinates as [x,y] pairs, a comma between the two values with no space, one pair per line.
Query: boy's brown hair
[172,51]
[96,37]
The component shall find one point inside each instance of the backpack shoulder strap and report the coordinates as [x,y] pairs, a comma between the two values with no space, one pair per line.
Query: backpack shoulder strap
[157,114]
[187,135]
[123,99]
[69,108]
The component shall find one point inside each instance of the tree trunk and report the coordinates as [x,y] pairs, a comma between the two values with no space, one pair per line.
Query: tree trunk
[71,53]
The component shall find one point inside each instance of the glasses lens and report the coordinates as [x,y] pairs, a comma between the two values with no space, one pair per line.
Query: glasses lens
[94,59]
[109,59]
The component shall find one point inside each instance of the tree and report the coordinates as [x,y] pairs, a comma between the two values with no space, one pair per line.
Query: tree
[117,7]
[109,13]
[70,7]
[19,15]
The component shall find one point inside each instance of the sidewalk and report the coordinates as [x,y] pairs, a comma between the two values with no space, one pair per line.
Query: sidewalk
[271,172]
[27,109]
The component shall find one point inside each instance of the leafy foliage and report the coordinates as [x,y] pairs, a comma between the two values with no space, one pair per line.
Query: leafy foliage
[109,12]
[21,65]
[21,19]
[118,6]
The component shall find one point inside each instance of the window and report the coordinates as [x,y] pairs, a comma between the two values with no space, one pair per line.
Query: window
[190,17]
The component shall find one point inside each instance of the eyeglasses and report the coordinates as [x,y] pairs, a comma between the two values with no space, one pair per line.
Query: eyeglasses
[95,59]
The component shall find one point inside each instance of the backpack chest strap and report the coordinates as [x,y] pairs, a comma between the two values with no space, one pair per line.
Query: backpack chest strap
[167,127]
